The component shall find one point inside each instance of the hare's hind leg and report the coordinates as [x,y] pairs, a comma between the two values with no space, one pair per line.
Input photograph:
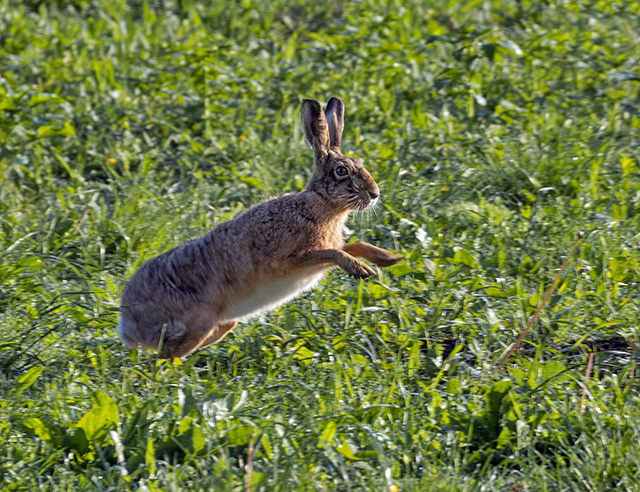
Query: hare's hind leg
[138,334]
[377,256]
[181,337]
[218,333]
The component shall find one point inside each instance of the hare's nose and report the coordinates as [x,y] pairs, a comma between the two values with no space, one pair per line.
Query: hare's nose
[374,195]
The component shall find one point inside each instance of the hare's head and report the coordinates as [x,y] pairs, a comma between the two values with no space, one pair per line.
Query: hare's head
[341,180]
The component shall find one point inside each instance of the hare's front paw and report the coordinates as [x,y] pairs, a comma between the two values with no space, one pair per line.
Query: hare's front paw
[358,269]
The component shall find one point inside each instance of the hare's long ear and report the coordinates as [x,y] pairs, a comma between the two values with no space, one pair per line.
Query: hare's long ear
[314,125]
[335,119]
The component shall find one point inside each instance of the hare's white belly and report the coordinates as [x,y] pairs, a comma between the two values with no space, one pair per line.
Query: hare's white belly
[271,294]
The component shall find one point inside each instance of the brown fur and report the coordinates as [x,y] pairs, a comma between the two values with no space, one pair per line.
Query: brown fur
[193,295]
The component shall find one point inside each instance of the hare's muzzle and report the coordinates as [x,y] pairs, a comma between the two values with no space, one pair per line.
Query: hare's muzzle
[373,191]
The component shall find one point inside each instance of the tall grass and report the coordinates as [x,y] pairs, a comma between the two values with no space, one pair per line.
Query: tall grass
[497,130]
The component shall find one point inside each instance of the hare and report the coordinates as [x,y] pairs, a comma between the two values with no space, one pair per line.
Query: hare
[194,294]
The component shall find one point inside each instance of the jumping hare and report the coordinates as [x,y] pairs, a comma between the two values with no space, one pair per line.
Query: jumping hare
[194,294]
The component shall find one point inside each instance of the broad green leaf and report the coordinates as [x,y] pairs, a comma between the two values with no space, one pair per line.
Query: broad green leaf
[53,131]
[80,442]
[345,450]
[37,428]
[45,98]
[463,256]
[303,354]
[328,433]
[505,437]
[496,394]
[97,421]
[240,434]
[628,165]
[378,291]
[28,378]
[197,439]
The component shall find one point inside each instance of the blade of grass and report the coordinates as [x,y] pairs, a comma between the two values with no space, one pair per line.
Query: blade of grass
[586,380]
[543,302]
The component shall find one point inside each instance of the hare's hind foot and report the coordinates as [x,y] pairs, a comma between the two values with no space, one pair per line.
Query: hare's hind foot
[218,333]
[194,340]
[377,256]
[137,335]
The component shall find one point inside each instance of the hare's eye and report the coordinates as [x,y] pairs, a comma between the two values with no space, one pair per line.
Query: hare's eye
[341,171]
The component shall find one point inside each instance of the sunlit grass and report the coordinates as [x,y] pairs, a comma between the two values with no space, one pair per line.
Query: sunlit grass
[496,131]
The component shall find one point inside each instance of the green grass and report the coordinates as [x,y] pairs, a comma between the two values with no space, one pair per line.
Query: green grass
[497,130]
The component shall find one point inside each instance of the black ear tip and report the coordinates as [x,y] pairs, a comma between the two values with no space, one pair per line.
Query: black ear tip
[335,100]
[310,105]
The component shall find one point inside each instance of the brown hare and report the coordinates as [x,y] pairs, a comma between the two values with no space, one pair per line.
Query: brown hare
[194,294]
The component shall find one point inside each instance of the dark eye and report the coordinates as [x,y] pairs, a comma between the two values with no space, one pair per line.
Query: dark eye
[341,171]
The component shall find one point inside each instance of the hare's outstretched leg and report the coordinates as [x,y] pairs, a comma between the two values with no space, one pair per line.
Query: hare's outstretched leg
[176,340]
[218,333]
[330,257]
[377,256]
[185,334]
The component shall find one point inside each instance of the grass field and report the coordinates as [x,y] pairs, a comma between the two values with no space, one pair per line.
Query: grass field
[497,130]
